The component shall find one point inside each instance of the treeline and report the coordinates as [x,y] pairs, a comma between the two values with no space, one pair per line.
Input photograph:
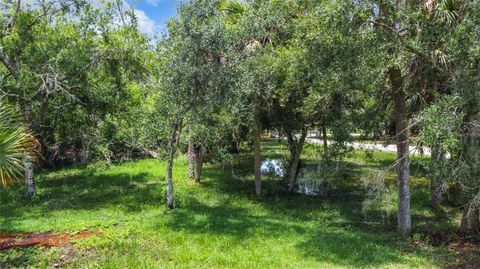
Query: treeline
[88,86]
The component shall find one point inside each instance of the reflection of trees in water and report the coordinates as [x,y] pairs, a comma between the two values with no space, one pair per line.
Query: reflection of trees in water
[309,182]
[273,167]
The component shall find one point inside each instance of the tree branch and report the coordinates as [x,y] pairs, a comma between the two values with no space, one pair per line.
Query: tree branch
[9,64]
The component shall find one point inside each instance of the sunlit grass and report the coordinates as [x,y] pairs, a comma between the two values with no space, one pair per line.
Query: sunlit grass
[217,223]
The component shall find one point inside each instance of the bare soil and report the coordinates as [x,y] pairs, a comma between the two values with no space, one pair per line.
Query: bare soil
[46,239]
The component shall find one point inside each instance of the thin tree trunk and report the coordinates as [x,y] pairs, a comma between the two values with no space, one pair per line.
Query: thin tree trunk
[471,213]
[200,158]
[258,160]
[173,144]
[325,139]
[28,163]
[436,178]
[29,176]
[170,179]
[85,150]
[470,220]
[191,159]
[292,176]
[403,163]
[296,151]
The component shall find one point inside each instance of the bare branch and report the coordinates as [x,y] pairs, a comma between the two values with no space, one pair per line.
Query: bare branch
[11,25]
[12,68]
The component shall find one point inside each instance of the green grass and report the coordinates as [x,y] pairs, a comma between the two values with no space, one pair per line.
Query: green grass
[218,223]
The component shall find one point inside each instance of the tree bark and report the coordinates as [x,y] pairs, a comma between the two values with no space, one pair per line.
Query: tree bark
[471,149]
[9,65]
[403,162]
[296,149]
[325,139]
[470,220]
[191,159]
[258,160]
[170,178]
[29,178]
[173,144]
[436,177]
[292,176]
[199,163]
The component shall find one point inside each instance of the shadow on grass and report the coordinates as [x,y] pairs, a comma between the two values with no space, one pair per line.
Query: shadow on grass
[349,249]
[334,243]
[349,241]
[19,258]
[233,221]
[128,192]
[329,228]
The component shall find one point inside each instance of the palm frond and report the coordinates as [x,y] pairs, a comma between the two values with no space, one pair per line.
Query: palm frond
[15,142]
[448,11]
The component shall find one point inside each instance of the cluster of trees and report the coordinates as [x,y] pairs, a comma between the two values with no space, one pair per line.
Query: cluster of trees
[88,85]
[73,73]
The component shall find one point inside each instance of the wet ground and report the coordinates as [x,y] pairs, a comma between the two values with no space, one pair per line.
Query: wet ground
[309,180]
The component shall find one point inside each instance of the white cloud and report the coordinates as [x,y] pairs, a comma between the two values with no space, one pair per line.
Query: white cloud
[153,2]
[145,24]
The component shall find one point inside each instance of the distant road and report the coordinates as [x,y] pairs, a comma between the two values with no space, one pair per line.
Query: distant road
[379,147]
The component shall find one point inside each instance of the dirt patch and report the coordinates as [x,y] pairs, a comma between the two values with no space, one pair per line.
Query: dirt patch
[463,266]
[466,255]
[47,239]
[463,249]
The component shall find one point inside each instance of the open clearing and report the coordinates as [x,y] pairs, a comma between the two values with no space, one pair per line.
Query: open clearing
[220,224]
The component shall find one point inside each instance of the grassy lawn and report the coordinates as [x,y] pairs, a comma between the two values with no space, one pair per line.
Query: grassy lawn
[219,223]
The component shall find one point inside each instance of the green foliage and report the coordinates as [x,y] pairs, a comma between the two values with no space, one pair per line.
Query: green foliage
[73,74]
[91,87]
[441,124]
[380,197]
[218,223]
[15,142]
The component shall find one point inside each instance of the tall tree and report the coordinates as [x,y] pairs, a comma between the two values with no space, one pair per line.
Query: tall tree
[192,54]
[49,62]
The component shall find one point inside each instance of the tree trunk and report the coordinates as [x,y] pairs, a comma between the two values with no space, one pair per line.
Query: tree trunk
[191,159]
[325,139]
[85,150]
[170,179]
[258,160]
[29,176]
[436,177]
[292,176]
[470,220]
[296,151]
[173,144]
[199,159]
[471,154]
[403,163]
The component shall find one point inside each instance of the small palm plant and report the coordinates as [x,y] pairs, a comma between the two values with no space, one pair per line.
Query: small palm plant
[15,142]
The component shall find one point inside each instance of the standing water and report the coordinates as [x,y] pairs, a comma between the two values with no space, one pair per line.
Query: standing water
[309,180]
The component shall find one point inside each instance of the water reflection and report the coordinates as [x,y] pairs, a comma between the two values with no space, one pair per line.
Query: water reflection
[309,180]
[272,167]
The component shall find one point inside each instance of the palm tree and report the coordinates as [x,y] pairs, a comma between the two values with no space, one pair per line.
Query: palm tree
[15,144]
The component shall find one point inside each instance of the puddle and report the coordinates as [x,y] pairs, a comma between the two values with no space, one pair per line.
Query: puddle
[273,167]
[309,181]
[47,239]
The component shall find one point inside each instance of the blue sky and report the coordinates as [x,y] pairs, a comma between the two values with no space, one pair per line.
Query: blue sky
[153,14]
